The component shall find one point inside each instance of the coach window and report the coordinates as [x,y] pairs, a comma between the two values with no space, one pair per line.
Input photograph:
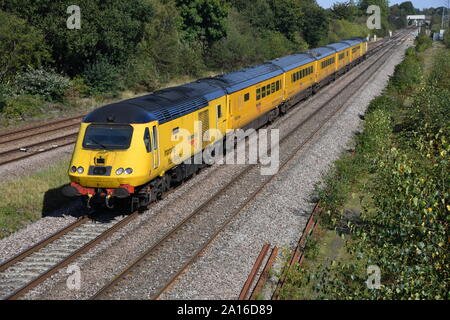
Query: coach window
[263,91]
[247,97]
[278,85]
[258,94]
[148,144]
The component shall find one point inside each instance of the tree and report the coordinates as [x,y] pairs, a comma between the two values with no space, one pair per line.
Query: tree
[344,10]
[203,20]
[407,8]
[109,29]
[315,24]
[21,45]
[288,17]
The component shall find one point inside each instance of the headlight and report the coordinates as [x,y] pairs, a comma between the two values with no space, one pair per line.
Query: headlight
[73,169]
[119,171]
[80,170]
[128,171]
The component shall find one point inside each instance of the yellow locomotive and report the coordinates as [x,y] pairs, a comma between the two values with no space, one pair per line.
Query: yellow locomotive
[125,149]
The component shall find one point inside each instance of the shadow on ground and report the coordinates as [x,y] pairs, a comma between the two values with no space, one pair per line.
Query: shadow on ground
[56,204]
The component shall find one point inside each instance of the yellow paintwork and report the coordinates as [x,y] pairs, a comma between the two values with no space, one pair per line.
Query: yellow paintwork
[242,112]
[294,86]
[236,110]
[147,165]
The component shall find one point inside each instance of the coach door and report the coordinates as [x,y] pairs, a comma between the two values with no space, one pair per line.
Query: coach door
[155,146]
[221,120]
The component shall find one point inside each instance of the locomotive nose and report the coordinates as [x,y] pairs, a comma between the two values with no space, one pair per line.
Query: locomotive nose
[102,158]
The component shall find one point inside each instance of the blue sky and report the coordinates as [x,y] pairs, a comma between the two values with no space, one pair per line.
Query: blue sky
[417,3]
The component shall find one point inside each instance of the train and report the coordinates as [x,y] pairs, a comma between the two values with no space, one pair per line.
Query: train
[125,150]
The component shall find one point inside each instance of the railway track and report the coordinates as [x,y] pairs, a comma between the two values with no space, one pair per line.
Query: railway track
[160,267]
[33,266]
[22,149]
[25,271]
[23,143]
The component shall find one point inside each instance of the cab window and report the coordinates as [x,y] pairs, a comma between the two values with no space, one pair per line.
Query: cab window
[148,143]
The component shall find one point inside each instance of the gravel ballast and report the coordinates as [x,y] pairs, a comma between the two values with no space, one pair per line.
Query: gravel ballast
[223,268]
[279,213]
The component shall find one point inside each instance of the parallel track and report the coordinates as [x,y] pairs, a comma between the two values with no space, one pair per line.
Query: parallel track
[45,145]
[157,251]
[36,264]
[15,145]
[36,257]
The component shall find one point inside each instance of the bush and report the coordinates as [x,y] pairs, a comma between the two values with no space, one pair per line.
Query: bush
[77,88]
[2,102]
[102,77]
[423,42]
[407,74]
[48,84]
[447,38]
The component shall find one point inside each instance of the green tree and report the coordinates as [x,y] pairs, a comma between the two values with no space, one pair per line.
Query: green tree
[315,24]
[407,8]
[21,45]
[109,29]
[344,10]
[288,17]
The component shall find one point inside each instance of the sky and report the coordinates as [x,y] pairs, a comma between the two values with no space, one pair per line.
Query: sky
[417,3]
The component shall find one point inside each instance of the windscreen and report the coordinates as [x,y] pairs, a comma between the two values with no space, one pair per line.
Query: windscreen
[108,137]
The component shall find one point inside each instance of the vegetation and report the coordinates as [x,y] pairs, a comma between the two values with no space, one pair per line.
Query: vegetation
[144,45]
[389,201]
[29,198]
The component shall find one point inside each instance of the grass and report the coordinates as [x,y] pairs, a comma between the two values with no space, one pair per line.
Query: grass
[27,199]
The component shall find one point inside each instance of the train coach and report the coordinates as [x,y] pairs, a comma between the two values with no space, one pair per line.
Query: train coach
[124,151]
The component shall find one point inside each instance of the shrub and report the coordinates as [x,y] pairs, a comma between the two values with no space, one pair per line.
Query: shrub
[102,77]
[423,42]
[48,84]
[407,74]
[2,102]
[447,38]
[77,88]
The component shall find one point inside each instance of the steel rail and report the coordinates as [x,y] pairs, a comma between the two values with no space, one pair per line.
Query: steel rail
[52,270]
[43,125]
[129,268]
[29,251]
[24,155]
[72,125]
